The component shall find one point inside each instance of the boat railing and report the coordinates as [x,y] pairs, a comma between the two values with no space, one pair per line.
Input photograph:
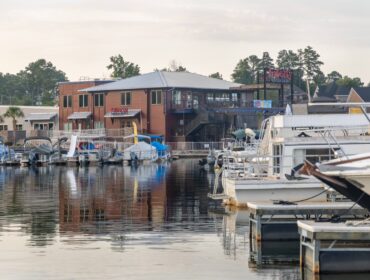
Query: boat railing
[262,167]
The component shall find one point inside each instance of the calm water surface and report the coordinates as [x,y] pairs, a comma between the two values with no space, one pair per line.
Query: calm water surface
[114,222]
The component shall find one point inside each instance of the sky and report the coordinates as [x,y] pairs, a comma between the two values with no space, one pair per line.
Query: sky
[206,36]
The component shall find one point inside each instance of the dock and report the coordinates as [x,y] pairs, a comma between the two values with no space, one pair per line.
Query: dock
[274,236]
[334,247]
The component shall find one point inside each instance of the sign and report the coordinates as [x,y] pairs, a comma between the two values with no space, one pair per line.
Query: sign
[121,110]
[278,76]
[262,104]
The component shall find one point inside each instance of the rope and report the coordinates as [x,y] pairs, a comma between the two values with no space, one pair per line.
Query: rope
[286,202]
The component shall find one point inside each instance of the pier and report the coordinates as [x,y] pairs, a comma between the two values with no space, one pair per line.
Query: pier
[274,236]
[334,247]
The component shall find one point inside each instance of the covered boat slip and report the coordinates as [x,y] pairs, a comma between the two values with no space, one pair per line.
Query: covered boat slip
[273,231]
[334,247]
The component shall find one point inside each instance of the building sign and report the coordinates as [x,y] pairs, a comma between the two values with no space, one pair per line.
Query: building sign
[119,111]
[262,104]
[278,76]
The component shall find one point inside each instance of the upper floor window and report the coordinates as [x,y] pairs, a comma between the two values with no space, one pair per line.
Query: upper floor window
[3,127]
[19,127]
[67,101]
[234,97]
[126,98]
[99,100]
[210,97]
[176,97]
[83,100]
[156,97]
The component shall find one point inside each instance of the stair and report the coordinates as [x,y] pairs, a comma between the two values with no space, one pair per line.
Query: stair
[203,117]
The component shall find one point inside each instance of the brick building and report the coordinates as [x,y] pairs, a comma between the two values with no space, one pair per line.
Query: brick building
[181,106]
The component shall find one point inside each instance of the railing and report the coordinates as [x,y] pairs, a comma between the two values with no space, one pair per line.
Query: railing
[195,146]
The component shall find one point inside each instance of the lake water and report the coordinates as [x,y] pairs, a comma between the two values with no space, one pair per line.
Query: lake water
[113,222]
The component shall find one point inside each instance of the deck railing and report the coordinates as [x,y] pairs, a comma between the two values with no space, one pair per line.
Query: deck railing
[195,146]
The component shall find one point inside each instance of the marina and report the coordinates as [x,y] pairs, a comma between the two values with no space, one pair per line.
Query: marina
[184,140]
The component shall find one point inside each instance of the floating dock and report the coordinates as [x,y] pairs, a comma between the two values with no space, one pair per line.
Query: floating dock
[273,230]
[334,247]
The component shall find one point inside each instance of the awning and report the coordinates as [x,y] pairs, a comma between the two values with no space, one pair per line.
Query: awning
[130,113]
[79,116]
[40,117]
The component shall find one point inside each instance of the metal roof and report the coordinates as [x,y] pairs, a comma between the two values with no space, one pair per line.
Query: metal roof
[40,116]
[79,115]
[163,79]
[130,114]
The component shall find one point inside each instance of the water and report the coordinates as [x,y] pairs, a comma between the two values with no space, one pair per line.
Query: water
[114,222]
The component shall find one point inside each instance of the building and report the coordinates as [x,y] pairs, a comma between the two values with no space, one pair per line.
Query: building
[181,106]
[74,108]
[36,119]
[331,93]
[357,95]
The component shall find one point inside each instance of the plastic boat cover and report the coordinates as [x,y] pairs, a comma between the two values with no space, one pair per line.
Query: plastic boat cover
[143,151]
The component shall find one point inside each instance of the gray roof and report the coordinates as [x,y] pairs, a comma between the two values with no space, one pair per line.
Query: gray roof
[79,115]
[163,79]
[363,92]
[40,116]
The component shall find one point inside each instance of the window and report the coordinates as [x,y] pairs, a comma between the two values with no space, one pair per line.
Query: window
[98,125]
[83,100]
[99,100]
[43,126]
[126,98]
[19,127]
[68,126]
[176,97]
[156,97]
[234,97]
[3,127]
[210,97]
[67,101]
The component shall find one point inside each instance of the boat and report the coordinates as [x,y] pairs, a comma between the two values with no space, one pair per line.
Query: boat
[37,151]
[285,142]
[88,153]
[157,141]
[58,157]
[350,176]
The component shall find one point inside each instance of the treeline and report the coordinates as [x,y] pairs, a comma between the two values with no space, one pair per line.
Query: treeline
[305,63]
[37,83]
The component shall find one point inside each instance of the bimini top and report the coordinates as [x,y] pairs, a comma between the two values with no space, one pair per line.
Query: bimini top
[163,79]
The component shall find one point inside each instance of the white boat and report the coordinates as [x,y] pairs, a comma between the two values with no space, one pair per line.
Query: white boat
[287,141]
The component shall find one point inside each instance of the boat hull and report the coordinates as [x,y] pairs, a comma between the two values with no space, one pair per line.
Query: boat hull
[240,192]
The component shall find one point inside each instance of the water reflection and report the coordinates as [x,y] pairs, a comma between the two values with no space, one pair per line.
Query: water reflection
[119,221]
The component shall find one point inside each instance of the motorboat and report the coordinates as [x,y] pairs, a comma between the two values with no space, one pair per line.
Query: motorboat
[285,142]
[349,176]
[37,151]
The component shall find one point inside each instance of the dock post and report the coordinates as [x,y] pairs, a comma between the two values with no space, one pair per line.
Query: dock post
[316,256]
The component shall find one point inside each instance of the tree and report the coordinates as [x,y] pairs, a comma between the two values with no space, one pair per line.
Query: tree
[14,113]
[333,76]
[287,59]
[121,68]
[39,80]
[216,75]
[309,62]
[350,82]
[266,61]
[243,73]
